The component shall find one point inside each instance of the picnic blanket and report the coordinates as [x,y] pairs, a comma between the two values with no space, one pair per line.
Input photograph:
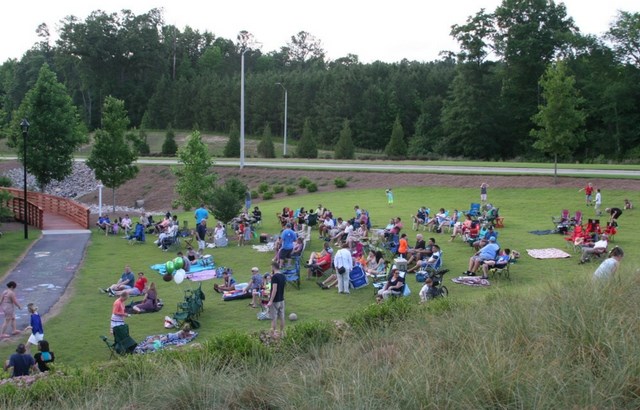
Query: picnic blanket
[547,253]
[203,275]
[268,247]
[471,281]
[544,232]
[154,343]
[196,267]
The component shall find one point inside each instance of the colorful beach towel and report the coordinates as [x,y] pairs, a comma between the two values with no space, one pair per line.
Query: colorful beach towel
[154,343]
[547,253]
[203,275]
[471,281]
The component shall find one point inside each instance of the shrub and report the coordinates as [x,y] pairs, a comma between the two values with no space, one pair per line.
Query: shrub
[263,187]
[267,195]
[278,189]
[306,335]
[303,182]
[340,183]
[379,315]
[169,146]
[238,347]
[312,187]
[255,194]
[291,190]
[5,181]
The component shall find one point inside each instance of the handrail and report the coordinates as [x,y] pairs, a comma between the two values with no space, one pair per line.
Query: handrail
[38,203]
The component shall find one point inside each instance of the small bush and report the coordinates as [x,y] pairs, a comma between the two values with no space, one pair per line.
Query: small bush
[291,190]
[379,315]
[312,187]
[255,194]
[267,195]
[278,189]
[303,182]
[303,336]
[5,181]
[263,187]
[340,183]
[238,347]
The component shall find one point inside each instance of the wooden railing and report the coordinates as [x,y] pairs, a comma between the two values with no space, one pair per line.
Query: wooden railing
[39,203]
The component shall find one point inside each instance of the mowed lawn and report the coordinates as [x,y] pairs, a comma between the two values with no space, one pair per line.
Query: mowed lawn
[74,332]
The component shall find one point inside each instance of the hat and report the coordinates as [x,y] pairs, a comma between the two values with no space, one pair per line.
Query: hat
[492,239]
[255,269]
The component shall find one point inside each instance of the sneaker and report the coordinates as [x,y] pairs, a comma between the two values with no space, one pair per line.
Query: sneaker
[102,290]
[111,292]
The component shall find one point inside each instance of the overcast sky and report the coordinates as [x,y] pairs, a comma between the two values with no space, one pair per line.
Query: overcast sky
[386,31]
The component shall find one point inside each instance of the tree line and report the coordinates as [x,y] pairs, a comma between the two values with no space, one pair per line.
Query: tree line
[484,102]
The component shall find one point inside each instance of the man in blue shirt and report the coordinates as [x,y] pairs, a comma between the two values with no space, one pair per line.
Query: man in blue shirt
[200,214]
[486,253]
[127,280]
[288,237]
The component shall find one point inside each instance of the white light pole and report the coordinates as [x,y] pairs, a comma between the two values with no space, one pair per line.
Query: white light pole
[242,108]
[100,199]
[284,151]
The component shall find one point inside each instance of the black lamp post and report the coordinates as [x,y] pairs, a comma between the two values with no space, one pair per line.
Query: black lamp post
[24,124]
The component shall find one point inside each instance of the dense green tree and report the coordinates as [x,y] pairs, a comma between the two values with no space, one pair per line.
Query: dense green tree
[112,158]
[266,148]
[140,142]
[169,146]
[307,145]
[397,147]
[625,35]
[227,200]
[232,148]
[560,119]
[55,132]
[344,148]
[195,177]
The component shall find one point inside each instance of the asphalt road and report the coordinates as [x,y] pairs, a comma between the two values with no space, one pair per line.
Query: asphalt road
[403,167]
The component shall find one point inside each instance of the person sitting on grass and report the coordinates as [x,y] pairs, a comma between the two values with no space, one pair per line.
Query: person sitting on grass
[21,362]
[127,281]
[138,287]
[328,283]
[228,285]
[501,262]
[427,292]
[486,253]
[255,284]
[150,301]
[44,356]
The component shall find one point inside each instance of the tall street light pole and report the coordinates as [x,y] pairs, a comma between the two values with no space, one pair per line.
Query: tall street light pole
[24,124]
[284,151]
[242,108]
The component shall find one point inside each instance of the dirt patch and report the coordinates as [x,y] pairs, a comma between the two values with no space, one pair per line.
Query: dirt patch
[155,184]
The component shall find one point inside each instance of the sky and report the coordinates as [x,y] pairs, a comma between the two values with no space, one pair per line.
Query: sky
[417,30]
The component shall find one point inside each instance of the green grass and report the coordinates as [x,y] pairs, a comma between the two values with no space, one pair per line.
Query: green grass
[74,332]
[13,246]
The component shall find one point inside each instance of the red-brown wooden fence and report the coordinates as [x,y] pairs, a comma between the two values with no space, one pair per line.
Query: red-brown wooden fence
[39,203]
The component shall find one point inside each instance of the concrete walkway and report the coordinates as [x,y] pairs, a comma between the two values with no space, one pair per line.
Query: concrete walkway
[48,267]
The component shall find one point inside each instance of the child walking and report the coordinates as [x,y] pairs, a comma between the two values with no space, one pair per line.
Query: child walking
[37,331]
[389,193]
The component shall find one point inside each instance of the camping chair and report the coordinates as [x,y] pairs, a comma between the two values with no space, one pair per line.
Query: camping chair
[577,219]
[138,235]
[563,219]
[611,230]
[474,210]
[292,273]
[171,241]
[123,343]
[357,277]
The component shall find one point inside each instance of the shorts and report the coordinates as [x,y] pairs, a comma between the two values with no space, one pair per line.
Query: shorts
[276,310]
[135,292]
[35,338]
[285,253]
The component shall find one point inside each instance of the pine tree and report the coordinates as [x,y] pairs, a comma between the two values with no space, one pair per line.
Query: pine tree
[344,147]
[397,147]
[232,149]
[266,148]
[307,145]
[111,158]
[169,146]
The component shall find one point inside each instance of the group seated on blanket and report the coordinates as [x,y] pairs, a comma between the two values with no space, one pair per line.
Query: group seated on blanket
[229,283]
[139,287]
[127,281]
[150,303]
[157,342]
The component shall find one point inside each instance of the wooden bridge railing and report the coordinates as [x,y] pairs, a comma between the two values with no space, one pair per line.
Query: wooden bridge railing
[39,203]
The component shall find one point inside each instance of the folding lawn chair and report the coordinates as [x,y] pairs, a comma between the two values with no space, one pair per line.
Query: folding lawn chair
[123,343]
[292,273]
[474,210]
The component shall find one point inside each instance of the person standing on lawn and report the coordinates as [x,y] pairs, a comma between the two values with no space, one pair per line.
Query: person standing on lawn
[588,191]
[276,301]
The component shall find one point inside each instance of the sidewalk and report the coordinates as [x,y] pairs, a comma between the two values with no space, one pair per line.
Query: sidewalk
[46,270]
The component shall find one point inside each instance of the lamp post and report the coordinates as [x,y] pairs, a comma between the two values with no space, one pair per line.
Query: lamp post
[284,151]
[242,108]
[24,124]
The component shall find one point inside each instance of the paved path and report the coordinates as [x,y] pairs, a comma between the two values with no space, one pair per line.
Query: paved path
[48,267]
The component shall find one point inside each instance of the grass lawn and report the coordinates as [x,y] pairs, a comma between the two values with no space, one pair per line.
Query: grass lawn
[73,334]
